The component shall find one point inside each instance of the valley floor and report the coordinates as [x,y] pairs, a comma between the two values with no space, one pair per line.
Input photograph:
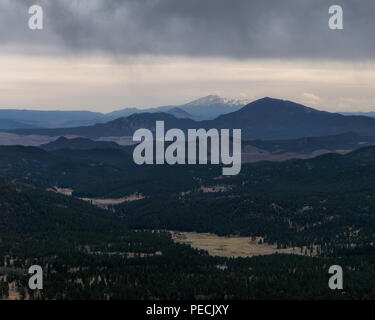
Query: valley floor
[231,247]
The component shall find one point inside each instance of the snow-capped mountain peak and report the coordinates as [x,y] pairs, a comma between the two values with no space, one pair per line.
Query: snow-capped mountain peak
[215,100]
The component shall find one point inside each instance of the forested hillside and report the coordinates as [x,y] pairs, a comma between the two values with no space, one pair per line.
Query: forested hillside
[91,254]
[322,207]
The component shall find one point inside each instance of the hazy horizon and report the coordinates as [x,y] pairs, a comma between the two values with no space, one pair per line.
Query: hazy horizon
[179,104]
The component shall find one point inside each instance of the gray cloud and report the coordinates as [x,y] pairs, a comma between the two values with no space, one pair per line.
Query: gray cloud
[224,28]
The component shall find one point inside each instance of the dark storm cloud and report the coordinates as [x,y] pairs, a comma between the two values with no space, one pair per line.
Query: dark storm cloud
[225,28]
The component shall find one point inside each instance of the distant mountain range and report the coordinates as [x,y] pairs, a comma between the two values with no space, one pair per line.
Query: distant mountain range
[252,151]
[116,128]
[45,119]
[365,114]
[309,145]
[206,108]
[210,107]
[179,113]
[266,119]
[78,144]
[269,118]
[14,124]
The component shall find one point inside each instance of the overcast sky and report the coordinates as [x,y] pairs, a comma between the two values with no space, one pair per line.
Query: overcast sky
[103,55]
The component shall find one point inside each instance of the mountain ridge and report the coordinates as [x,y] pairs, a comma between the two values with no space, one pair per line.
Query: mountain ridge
[270,118]
[204,108]
[266,119]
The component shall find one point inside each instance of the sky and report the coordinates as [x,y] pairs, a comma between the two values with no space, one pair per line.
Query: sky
[104,55]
